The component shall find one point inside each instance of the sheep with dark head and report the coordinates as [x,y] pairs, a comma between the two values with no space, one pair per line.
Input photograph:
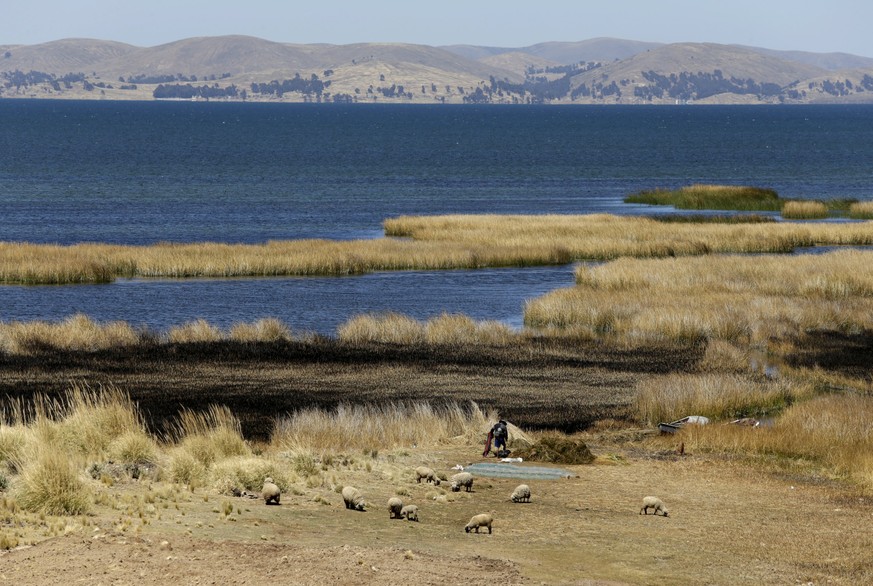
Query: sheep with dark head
[482,520]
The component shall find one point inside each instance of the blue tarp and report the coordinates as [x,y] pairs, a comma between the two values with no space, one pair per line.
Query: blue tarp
[504,470]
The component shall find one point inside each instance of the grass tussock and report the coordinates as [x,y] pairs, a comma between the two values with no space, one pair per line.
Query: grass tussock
[737,299]
[51,484]
[443,330]
[804,210]
[835,430]
[711,197]
[717,396]
[76,333]
[349,428]
[431,243]
[79,333]
[861,210]
[262,330]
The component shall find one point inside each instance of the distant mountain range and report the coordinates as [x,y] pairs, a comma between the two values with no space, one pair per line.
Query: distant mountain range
[594,71]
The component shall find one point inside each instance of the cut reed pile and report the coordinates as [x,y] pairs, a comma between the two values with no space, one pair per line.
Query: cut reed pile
[734,298]
[439,242]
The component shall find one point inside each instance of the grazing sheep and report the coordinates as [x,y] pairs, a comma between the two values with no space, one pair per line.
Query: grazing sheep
[410,512]
[270,492]
[428,474]
[464,479]
[483,520]
[520,494]
[395,505]
[654,503]
[353,499]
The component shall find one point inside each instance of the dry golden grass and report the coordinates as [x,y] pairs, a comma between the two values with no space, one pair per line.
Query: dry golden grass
[804,210]
[435,242]
[378,427]
[262,330]
[78,332]
[443,330]
[717,396]
[835,430]
[861,210]
[733,298]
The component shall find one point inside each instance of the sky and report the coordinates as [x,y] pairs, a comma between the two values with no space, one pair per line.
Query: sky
[807,25]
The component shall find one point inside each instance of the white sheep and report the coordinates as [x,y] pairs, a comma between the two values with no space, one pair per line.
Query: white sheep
[520,494]
[410,512]
[428,474]
[654,503]
[482,520]
[460,479]
[395,506]
[353,498]
[270,492]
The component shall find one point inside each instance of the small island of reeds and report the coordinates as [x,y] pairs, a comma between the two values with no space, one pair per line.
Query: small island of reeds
[742,198]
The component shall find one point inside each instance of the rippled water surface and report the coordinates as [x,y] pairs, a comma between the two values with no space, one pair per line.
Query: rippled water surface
[139,173]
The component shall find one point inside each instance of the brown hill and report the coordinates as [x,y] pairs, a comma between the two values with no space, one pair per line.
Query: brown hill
[63,56]
[732,61]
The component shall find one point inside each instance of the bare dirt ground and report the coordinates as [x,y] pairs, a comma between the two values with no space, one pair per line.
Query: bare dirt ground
[729,523]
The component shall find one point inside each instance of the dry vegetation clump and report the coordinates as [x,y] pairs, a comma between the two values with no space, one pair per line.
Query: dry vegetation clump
[443,330]
[367,427]
[262,330]
[732,298]
[196,331]
[717,396]
[862,210]
[804,210]
[556,448]
[836,430]
[50,483]
[76,333]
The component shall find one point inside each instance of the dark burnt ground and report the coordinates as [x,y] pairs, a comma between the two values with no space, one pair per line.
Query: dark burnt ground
[848,354]
[543,384]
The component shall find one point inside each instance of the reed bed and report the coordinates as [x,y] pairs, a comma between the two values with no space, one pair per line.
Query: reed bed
[431,243]
[861,210]
[444,330]
[711,197]
[804,210]
[732,298]
[717,396]
[76,333]
[351,428]
[836,430]
[79,333]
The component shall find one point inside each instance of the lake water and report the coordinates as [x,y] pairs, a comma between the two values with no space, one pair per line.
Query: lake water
[139,173]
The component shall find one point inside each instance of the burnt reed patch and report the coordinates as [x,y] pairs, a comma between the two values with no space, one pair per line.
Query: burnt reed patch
[542,384]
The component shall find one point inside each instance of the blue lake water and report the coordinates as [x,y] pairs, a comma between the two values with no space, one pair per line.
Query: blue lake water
[144,172]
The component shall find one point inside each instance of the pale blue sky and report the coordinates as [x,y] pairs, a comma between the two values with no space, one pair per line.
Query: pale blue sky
[810,25]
